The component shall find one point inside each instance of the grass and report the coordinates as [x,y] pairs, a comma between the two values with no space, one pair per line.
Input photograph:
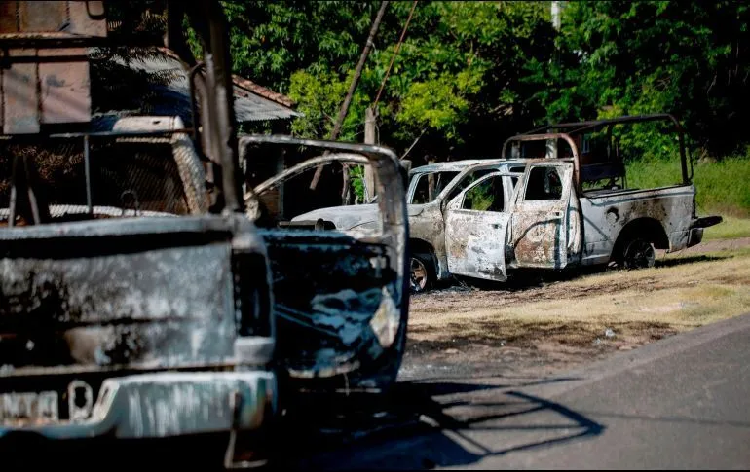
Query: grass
[721,187]
[731,227]
[639,306]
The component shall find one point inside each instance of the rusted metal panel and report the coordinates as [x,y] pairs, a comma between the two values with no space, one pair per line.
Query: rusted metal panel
[45,91]
[539,228]
[41,16]
[65,88]
[20,97]
[607,213]
[476,242]
[87,18]
[8,17]
[96,313]
[80,18]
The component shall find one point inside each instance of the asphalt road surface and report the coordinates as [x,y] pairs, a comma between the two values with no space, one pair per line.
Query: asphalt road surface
[682,402]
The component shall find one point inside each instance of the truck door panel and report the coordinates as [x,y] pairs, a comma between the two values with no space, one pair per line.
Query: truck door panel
[539,220]
[476,229]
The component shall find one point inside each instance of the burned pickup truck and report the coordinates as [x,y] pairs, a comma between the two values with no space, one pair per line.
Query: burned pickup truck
[138,302]
[554,200]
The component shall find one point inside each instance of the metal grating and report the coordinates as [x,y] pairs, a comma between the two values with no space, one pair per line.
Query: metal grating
[131,177]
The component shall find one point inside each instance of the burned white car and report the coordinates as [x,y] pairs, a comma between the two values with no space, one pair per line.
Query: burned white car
[429,189]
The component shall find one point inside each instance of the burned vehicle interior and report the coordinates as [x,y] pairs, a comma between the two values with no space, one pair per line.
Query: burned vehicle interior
[339,298]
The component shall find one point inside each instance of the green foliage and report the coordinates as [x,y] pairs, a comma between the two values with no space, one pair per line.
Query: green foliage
[456,78]
[479,198]
[439,103]
[687,58]
[720,186]
[271,40]
[357,176]
[319,98]
[469,74]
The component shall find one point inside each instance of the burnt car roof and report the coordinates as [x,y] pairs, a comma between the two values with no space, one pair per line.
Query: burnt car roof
[461,165]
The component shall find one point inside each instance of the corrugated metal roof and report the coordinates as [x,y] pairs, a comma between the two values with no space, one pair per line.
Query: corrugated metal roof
[175,99]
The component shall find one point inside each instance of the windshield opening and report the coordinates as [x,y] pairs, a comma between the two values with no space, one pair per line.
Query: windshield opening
[430,184]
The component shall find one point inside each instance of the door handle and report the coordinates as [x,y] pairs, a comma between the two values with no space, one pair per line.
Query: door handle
[557,214]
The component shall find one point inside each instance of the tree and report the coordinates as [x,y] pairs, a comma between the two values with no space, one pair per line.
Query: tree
[457,76]
[687,58]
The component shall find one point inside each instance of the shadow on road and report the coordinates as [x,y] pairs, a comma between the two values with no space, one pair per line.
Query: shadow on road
[423,425]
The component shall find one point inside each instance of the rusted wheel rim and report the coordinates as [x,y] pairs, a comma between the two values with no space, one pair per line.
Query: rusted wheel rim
[418,275]
[640,254]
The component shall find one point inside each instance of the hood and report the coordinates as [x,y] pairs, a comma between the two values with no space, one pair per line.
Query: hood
[345,217]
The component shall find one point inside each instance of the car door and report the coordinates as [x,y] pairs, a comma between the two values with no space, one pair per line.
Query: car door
[539,217]
[476,224]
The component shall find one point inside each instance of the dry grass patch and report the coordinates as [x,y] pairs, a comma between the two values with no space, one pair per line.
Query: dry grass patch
[639,306]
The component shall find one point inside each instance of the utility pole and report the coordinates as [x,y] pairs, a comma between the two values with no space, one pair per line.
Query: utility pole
[369,139]
[556,23]
[353,87]
[555,11]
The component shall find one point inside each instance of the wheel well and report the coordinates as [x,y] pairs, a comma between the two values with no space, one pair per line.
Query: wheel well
[648,228]
[420,246]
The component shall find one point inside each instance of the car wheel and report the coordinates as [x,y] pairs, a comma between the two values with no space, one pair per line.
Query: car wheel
[421,273]
[638,253]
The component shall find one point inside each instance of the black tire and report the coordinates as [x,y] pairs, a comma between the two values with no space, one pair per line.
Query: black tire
[636,253]
[421,273]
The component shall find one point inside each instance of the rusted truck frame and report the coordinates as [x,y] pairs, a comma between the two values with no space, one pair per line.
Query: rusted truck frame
[108,330]
[550,222]
[345,293]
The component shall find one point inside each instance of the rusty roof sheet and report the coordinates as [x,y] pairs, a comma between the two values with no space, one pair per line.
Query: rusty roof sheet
[252,103]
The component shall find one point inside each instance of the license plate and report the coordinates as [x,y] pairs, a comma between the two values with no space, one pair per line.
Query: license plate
[32,406]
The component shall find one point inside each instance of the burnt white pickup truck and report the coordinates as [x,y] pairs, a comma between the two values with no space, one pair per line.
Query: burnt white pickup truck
[552,201]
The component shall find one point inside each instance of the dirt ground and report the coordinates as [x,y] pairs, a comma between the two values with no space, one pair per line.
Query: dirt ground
[539,325]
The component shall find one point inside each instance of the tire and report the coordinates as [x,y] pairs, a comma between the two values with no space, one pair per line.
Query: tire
[421,273]
[637,253]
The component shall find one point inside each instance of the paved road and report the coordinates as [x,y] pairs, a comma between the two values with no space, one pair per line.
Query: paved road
[683,402]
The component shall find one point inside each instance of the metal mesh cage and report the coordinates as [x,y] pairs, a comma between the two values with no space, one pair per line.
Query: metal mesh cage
[128,177]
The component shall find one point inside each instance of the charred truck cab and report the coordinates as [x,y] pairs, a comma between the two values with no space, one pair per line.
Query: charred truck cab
[137,299]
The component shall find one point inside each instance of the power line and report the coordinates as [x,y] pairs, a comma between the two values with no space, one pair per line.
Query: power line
[395,53]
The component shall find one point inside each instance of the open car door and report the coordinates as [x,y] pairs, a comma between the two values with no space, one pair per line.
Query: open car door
[476,228]
[539,221]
